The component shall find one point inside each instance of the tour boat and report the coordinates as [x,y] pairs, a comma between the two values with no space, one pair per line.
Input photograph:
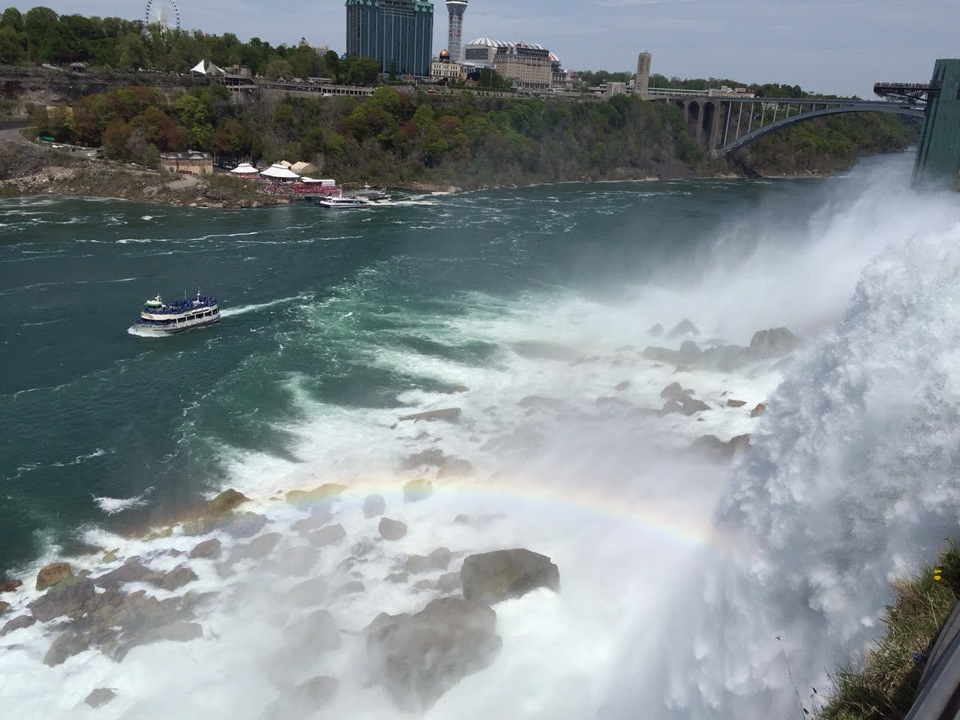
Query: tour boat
[160,318]
[343,202]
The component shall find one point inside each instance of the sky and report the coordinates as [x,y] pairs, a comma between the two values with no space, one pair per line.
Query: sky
[829,46]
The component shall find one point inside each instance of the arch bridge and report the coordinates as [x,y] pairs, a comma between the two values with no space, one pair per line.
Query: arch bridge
[723,123]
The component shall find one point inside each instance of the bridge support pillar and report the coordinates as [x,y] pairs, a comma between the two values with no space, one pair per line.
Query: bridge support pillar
[938,156]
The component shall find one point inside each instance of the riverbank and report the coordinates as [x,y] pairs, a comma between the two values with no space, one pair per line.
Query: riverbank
[27,168]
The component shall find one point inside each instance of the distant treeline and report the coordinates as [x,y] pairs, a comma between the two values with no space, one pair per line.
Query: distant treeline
[461,139]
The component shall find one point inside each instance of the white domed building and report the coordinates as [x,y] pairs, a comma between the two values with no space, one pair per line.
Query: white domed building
[528,65]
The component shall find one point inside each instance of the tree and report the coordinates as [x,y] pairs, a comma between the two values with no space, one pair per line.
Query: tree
[11,46]
[12,18]
[331,62]
[277,69]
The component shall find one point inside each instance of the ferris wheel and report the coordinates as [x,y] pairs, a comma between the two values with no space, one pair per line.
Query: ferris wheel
[164,13]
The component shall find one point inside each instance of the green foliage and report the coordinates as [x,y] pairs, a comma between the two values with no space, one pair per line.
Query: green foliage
[882,685]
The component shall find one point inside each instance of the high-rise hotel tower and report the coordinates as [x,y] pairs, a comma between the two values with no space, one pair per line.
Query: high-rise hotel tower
[398,33]
[455,8]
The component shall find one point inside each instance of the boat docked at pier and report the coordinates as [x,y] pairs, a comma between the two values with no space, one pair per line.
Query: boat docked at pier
[160,318]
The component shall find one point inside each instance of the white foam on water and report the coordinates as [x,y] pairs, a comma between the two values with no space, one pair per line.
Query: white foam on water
[254,307]
[112,506]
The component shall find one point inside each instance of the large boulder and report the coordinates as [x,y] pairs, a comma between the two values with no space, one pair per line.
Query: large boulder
[391,529]
[713,446]
[417,658]
[18,623]
[417,490]
[503,574]
[209,549]
[455,468]
[70,597]
[318,630]
[245,525]
[100,696]
[133,570]
[53,573]
[684,327]
[10,585]
[439,559]
[225,502]
[323,494]
[773,343]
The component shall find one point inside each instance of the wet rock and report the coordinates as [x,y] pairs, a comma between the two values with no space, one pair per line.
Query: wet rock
[208,549]
[66,645]
[374,506]
[417,490]
[133,570]
[100,697]
[400,577]
[672,391]
[417,658]
[111,556]
[4,606]
[448,583]
[363,548]
[176,578]
[225,502]
[10,585]
[260,547]
[660,354]
[736,403]
[684,327]
[538,402]
[423,585]
[318,517]
[53,573]
[439,559]
[432,457]
[455,468]
[689,352]
[391,529]
[622,385]
[308,593]
[691,406]
[714,446]
[323,494]
[455,390]
[462,519]
[318,630]
[446,414]
[303,700]
[655,330]
[19,622]
[327,535]
[175,632]
[773,343]
[760,409]
[504,574]
[69,597]
[246,525]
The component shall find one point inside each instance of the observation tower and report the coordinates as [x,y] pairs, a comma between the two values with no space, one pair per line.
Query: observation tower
[455,8]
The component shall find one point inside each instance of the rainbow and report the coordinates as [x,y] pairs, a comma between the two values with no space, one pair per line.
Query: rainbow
[546,500]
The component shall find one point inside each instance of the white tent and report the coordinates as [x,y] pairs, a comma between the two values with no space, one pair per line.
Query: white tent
[245,169]
[276,171]
[283,164]
[303,168]
[207,68]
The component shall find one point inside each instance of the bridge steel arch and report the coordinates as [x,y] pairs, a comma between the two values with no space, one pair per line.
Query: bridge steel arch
[887,107]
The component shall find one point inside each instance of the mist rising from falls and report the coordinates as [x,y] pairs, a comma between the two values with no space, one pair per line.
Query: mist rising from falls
[851,481]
